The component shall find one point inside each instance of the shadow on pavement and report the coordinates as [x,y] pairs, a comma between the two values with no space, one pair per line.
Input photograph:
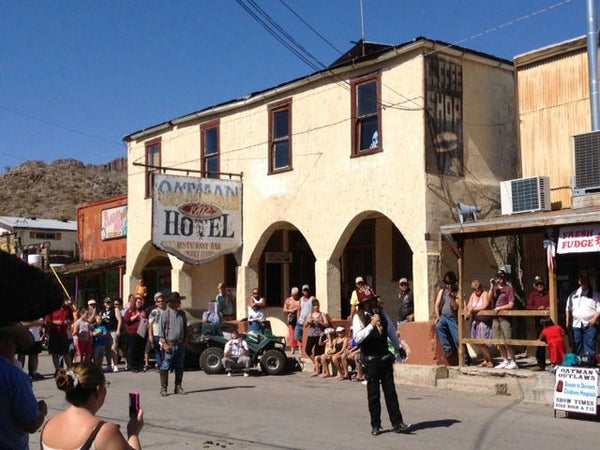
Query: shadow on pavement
[445,423]
[225,388]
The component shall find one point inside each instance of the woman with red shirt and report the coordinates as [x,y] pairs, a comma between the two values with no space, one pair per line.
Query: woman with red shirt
[136,323]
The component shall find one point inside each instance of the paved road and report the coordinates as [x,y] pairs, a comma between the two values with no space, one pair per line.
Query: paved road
[299,412]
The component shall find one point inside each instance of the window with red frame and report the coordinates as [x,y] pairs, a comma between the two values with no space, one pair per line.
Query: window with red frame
[152,159]
[366,115]
[210,149]
[280,137]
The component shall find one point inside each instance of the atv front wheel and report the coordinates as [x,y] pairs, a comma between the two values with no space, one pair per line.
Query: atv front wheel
[211,360]
[273,362]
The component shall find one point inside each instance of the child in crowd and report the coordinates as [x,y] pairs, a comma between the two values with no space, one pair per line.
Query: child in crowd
[354,359]
[340,358]
[553,336]
[322,360]
[82,337]
[99,333]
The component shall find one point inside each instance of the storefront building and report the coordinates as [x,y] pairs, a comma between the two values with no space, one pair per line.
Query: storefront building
[559,233]
[102,235]
[349,171]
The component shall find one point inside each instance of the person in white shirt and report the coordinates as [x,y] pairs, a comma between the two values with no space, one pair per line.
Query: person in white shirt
[236,354]
[583,313]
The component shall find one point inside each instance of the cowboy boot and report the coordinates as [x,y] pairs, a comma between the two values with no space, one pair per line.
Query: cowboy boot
[164,382]
[178,380]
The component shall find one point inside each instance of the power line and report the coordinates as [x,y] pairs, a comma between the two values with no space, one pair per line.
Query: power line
[310,27]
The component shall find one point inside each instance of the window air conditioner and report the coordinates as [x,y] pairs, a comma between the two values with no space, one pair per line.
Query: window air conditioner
[525,195]
[587,163]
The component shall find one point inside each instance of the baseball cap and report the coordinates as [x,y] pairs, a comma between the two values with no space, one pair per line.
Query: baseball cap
[402,280]
[340,329]
[501,273]
[538,280]
[306,287]
[157,295]
[359,280]
[91,302]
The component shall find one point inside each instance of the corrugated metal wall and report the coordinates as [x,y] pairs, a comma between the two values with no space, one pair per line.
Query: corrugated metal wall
[553,98]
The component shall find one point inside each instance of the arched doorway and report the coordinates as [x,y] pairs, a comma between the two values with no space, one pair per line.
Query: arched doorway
[377,251]
[157,276]
[286,261]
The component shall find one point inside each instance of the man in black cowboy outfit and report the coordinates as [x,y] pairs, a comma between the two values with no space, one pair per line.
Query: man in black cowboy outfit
[372,327]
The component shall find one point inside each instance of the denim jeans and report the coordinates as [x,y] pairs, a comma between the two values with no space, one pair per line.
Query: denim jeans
[157,351]
[585,341]
[256,325]
[447,330]
[298,332]
[175,359]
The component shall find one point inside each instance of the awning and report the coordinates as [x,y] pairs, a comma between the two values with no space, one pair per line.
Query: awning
[522,223]
[84,267]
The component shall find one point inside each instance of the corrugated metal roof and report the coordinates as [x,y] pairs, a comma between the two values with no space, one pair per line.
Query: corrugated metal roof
[33,223]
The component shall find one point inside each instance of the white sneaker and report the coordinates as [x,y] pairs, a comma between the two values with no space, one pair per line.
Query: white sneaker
[512,365]
[246,374]
[502,365]
[364,382]
[115,369]
[228,374]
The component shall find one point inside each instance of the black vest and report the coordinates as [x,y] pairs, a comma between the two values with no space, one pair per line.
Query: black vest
[376,343]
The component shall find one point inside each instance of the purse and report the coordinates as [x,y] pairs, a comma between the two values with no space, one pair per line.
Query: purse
[142,328]
[292,319]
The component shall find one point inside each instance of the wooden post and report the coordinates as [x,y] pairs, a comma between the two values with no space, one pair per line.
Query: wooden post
[461,299]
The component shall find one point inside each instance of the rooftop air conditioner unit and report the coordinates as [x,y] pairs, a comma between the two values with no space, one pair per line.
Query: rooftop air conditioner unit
[525,195]
[587,163]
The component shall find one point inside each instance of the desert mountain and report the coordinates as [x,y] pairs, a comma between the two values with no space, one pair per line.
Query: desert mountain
[53,191]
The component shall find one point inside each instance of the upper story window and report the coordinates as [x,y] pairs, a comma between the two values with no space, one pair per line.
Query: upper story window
[280,136]
[152,159]
[209,145]
[45,235]
[366,115]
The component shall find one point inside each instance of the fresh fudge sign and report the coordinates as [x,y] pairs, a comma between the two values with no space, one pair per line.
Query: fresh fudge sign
[579,239]
[196,219]
[576,389]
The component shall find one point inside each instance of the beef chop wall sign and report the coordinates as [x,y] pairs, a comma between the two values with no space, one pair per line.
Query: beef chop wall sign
[196,219]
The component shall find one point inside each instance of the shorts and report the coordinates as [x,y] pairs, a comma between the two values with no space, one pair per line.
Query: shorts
[99,353]
[501,329]
[58,344]
[111,339]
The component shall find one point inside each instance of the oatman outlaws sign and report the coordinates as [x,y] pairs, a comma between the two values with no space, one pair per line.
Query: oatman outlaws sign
[196,219]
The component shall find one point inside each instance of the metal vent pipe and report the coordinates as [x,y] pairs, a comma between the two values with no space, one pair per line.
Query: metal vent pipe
[592,51]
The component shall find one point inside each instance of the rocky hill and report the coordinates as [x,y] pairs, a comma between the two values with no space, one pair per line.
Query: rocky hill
[53,191]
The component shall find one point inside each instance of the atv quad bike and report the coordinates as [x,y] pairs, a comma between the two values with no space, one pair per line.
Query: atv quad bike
[265,350]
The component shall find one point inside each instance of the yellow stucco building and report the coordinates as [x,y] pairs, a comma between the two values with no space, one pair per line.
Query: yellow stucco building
[348,171]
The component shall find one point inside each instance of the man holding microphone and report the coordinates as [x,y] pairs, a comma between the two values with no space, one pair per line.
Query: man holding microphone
[372,327]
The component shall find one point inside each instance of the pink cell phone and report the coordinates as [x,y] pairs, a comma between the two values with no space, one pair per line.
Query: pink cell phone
[134,403]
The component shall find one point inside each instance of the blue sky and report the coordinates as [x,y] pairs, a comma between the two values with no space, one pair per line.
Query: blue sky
[77,76]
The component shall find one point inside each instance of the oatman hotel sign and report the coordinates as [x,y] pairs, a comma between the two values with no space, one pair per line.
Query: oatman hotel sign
[196,219]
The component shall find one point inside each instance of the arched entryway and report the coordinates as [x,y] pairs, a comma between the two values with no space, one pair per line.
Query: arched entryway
[374,248]
[286,260]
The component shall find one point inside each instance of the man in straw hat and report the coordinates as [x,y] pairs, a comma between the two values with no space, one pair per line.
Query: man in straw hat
[20,412]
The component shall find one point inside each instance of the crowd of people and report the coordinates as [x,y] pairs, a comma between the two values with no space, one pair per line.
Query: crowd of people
[582,317]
